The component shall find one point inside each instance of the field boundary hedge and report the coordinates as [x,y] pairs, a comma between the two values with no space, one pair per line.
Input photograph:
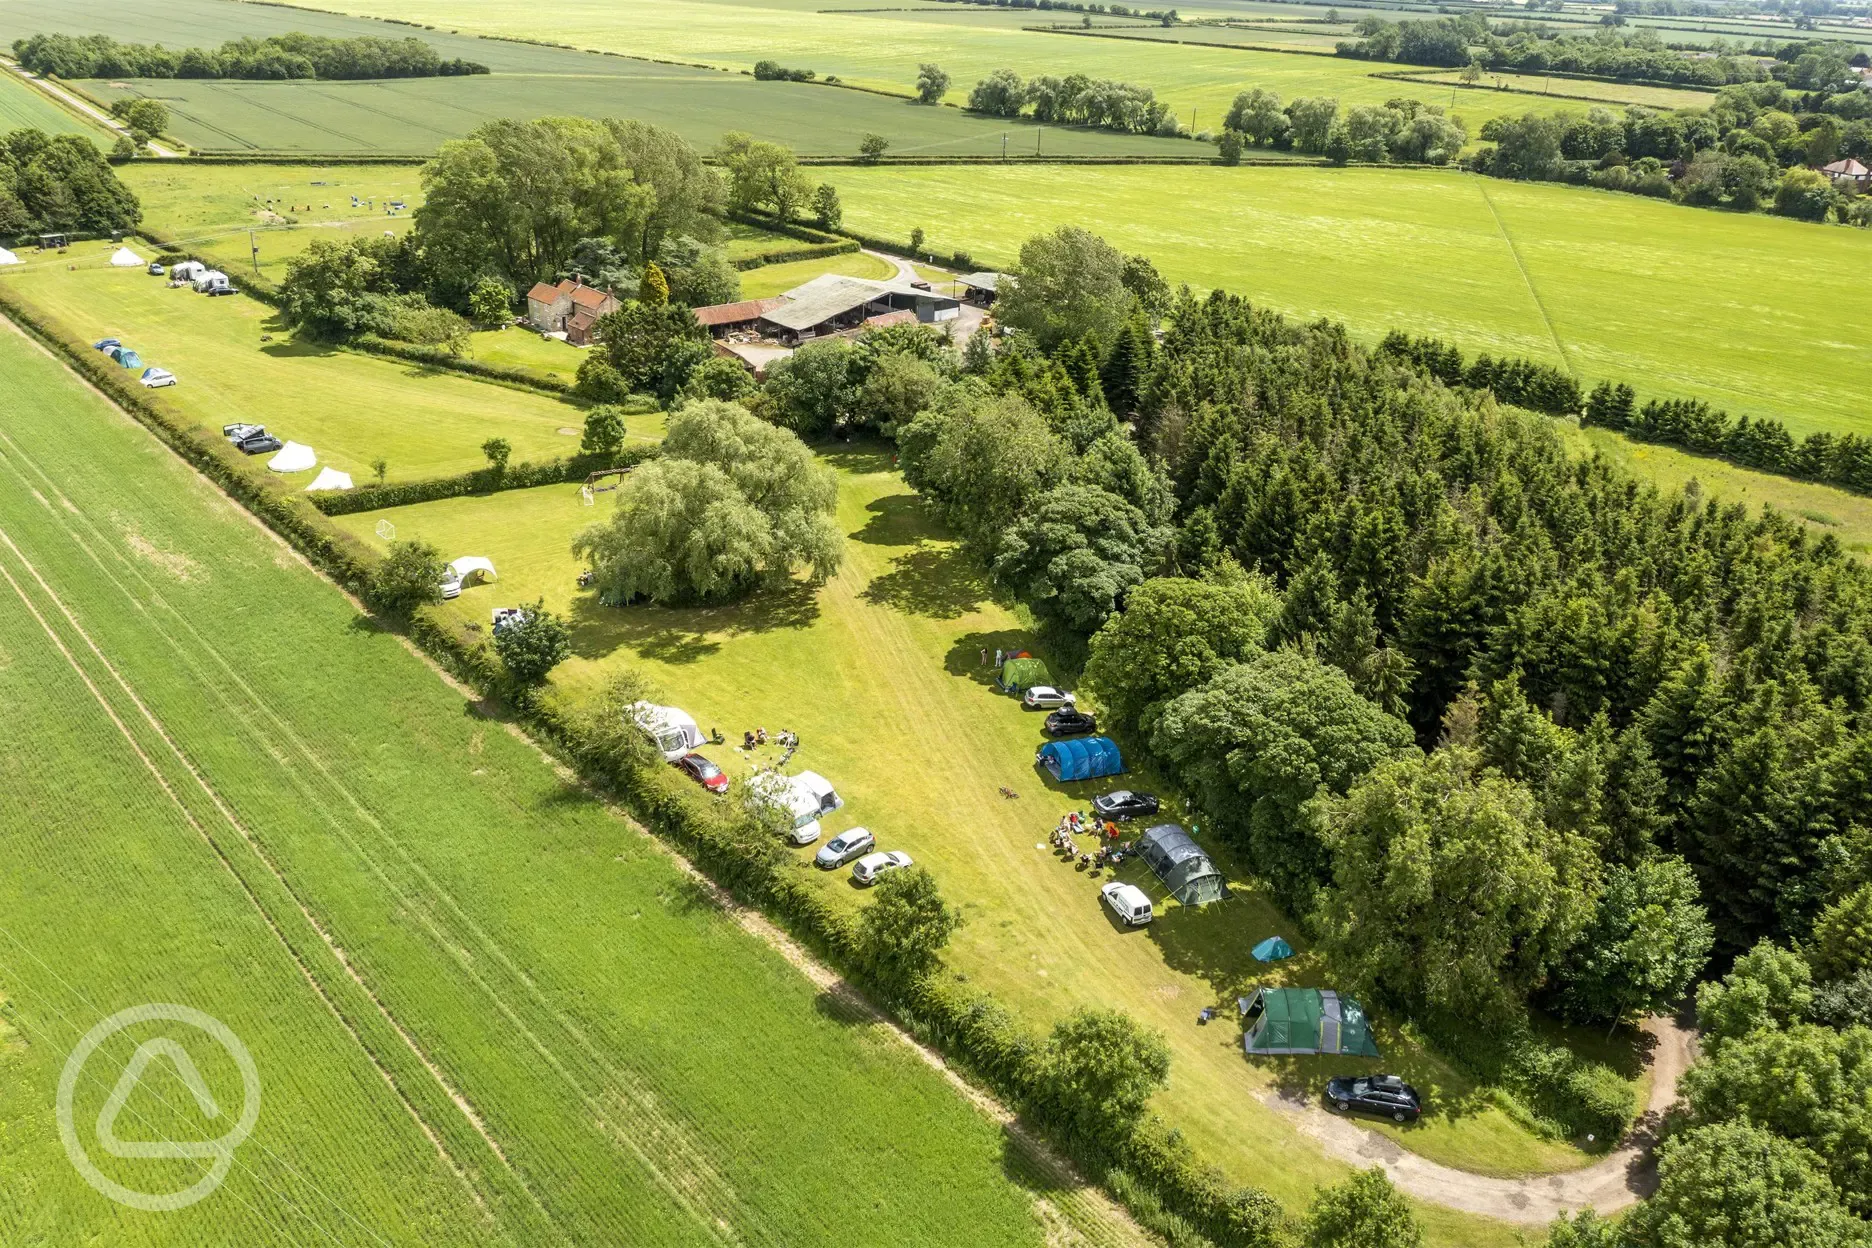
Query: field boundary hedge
[1569,75]
[258,156]
[435,357]
[482,481]
[972,1029]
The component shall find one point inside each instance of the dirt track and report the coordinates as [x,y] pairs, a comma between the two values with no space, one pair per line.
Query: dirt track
[1610,1184]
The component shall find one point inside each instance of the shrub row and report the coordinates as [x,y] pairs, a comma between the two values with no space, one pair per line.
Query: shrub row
[436,357]
[782,255]
[1152,1169]
[1831,459]
[373,497]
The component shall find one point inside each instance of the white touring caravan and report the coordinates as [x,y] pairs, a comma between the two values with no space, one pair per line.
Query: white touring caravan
[805,797]
[672,731]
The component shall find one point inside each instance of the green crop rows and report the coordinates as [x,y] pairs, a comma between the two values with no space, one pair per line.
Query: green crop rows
[538,1030]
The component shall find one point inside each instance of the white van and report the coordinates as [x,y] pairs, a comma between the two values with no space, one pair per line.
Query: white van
[672,731]
[1128,902]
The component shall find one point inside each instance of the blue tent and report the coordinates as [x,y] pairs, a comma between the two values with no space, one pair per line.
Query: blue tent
[1273,949]
[1082,758]
[129,358]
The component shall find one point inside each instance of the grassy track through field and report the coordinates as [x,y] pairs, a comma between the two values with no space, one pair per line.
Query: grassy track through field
[1678,301]
[597,1052]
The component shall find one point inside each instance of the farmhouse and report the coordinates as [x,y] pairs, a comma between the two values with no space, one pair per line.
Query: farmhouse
[1849,172]
[571,308]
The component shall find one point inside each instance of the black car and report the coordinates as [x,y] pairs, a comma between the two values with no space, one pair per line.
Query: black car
[259,443]
[1124,804]
[214,291]
[1069,722]
[1385,1095]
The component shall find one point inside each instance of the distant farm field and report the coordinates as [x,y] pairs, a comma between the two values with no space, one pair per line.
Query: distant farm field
[483,1009]
[884,49]
[24,106]
[1749,312]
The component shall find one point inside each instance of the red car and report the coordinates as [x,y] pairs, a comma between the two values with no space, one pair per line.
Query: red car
[706,774]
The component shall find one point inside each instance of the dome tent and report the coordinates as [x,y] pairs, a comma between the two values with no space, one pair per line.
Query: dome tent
[1273,949]
[1081,758]
[1023,672]
[1181,864]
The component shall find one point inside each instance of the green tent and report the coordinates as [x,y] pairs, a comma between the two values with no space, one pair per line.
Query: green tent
[1304,1020]
[1020,675]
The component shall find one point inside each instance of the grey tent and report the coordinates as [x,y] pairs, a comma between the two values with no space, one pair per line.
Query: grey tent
[1181,864]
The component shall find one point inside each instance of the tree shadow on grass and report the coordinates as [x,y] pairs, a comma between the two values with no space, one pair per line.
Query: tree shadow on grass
[904,519]
[931,581]
[866,456]
[965,656]
[686,634]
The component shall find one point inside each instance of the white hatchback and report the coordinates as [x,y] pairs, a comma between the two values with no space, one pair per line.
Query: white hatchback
[1045,697]
[867,869]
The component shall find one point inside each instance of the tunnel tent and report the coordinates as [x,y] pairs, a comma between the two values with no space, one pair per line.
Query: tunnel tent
[1022,673]
[1080,758]
[1304,1020]
[1181,864]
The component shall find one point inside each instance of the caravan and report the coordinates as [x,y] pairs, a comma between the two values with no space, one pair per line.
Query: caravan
[805,798]
[672,731]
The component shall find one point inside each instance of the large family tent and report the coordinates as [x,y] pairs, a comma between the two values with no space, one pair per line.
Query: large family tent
[124,258]
[1018,675]
[1181,864]
[294,457]
[1304,1020]
[1081,758]
[7,257]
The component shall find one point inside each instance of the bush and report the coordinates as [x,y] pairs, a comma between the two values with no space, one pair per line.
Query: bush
[531,645]
[599,382]
[409,577]
[1805,194]
[604,432]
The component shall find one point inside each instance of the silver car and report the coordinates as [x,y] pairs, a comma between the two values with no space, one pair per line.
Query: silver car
[844,847]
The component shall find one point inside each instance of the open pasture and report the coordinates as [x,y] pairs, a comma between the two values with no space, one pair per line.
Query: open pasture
[884,50]
[1677,301]
[350,408]
[880,674]
[581,1047]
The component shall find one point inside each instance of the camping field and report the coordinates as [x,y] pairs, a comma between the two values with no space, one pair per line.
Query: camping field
[349,407]
[483,1008]
[1677,301]
[879,672]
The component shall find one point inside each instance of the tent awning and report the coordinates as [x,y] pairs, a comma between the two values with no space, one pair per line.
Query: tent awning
[293,457]
[468,565]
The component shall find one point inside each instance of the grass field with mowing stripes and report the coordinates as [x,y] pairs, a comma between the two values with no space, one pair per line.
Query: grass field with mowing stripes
[1747,311]
[601,1053]
[879,672]
[25,107]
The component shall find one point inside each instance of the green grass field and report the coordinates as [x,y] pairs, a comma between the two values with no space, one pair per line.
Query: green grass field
[1675,300]
[884,50]
[773,279]
[879,672]
[350,408]
[25,107]
[513,1020]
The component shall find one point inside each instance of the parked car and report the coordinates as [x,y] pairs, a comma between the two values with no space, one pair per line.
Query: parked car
[234,433]
[156,268]
[1122,804]
[212,291]
[1041,696]
[158,378]
[867,869]
[451,584]
[105,344]
[1387,1095]
[706,774]
[258,443]
[1128,902]
[844,847]
[1070,722]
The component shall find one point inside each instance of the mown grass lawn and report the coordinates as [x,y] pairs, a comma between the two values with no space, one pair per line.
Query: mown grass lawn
[649,1072]
[774,279]
[1675,300]
[879,672]
[350,408]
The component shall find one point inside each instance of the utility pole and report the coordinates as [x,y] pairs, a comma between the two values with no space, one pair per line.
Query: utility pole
[1037,132]
[1004,147]
[253,250]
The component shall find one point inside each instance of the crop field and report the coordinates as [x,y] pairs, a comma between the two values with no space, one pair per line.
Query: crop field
[543,1032]
[416,115]
[350,408]
[879,672]
[1677,301]
[23,106]
[884,50]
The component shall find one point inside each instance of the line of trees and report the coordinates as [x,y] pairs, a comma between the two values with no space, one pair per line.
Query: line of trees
[1074,99]
[60,182]
[1403,129]
[1751,149]
[286,56]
